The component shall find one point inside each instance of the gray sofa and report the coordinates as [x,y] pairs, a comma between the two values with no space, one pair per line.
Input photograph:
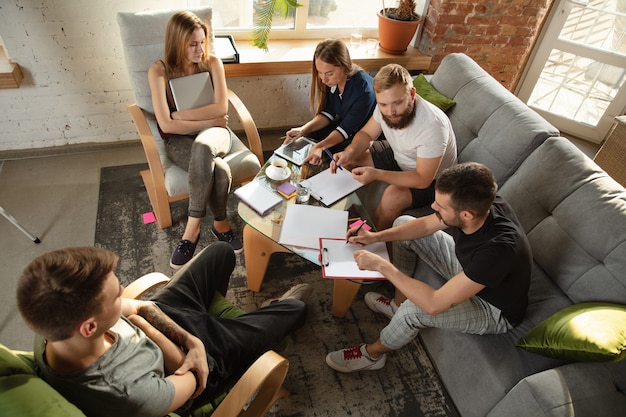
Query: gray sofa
[575,218]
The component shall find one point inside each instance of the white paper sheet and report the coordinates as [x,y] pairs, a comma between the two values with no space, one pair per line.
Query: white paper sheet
[304,225]
[328,188]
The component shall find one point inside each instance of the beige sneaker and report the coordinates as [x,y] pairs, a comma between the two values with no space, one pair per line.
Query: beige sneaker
[300,292]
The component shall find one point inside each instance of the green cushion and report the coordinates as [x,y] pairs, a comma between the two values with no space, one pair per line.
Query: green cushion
[15,362]
[428,92]
[24,394]
[594,332]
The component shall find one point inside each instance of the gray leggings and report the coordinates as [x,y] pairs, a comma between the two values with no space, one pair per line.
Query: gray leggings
[474,315]
[209,175]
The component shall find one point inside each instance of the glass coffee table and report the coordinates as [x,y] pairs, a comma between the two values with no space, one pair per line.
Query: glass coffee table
[261,235]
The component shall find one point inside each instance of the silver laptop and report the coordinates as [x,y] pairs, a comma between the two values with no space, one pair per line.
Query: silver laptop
[192,91]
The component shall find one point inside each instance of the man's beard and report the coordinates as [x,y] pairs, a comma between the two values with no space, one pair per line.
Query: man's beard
[405,119]
[456,222]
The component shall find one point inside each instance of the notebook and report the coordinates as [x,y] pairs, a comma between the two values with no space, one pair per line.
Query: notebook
[260,198]
[192,91]
[296,151]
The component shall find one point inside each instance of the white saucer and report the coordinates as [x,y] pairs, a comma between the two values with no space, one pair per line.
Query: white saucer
[277,174]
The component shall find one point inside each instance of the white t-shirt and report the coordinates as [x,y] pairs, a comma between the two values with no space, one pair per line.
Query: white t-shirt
[429,135]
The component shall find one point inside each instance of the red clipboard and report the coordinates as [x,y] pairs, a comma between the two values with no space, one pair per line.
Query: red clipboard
[338,262]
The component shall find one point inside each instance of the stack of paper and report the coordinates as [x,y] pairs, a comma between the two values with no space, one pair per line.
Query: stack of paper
[225,49]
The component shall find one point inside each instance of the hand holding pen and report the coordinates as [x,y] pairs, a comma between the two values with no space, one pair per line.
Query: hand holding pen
[330,155]
[355,232]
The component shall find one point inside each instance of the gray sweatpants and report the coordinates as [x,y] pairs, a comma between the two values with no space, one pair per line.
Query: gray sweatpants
[209,175]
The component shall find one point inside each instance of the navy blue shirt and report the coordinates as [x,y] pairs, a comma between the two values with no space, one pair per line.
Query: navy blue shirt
[349,112]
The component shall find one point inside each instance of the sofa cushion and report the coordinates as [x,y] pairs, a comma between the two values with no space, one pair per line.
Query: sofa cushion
[581,332]
[574,215]
[491,125]
[570,390]
[430,93]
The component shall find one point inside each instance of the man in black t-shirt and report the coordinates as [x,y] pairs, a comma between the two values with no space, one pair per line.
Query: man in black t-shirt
[486,260]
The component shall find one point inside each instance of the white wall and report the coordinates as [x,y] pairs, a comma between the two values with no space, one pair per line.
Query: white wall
[76,87]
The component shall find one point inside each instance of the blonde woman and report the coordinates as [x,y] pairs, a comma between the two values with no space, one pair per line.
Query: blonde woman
[195,139]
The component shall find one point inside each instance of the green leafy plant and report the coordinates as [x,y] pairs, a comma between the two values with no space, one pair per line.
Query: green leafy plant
[265,10]
[405,11]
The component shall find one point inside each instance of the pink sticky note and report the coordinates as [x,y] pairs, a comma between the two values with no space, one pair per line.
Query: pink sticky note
[358,223]
[149,218]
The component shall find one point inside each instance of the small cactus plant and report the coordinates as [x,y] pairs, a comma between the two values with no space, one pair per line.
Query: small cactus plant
[405,11]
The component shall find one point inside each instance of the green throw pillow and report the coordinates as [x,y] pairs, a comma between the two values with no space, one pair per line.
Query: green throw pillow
[428,92]
[593,332]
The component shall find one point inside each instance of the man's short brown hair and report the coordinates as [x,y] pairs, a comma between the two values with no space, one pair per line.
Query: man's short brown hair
[60,289]
[390,75]
[470,185]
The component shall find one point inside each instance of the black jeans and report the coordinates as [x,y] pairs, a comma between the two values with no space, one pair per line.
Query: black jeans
[232,345]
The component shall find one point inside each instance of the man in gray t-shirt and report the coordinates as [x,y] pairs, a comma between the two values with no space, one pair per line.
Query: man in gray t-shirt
[114,356]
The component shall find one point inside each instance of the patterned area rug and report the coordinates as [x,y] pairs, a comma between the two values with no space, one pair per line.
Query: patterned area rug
[407,386]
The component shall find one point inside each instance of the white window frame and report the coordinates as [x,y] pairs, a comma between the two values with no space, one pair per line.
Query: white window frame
[300,30]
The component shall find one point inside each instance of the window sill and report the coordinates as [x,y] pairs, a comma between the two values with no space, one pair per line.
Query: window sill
[11,76]
[295,56]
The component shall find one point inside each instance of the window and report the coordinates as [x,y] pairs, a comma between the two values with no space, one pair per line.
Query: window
[314,19]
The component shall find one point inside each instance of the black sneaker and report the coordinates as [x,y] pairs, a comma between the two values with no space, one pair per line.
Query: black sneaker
[183,253]
[229,237]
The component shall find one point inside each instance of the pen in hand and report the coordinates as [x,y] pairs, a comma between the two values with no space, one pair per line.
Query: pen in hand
[356,232]
[291,137]
[330,155]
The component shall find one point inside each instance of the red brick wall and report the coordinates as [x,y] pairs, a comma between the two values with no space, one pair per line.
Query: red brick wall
[498,34]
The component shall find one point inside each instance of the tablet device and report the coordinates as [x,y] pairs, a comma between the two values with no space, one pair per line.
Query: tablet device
[296,151]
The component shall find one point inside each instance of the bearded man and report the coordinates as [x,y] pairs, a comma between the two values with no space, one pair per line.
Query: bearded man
[418,145]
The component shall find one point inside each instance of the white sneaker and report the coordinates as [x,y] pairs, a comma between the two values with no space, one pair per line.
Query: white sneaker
[381,304]
[354,359]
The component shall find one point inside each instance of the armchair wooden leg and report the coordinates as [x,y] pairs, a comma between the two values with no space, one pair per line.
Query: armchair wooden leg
[257,250]
[344,292]
[160,206]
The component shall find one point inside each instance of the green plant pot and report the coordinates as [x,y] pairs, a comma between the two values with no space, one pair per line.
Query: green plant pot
[394,36]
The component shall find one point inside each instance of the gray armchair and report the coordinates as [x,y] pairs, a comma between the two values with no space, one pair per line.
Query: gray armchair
[143,37]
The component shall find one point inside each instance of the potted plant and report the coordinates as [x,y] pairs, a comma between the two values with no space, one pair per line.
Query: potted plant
[396,26]
[264,12]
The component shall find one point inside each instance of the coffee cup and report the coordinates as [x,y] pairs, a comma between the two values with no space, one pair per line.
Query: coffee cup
[278,169]
[279,163]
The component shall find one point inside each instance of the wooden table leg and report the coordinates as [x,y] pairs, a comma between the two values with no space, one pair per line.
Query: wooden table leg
[257,249]
[344,292]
